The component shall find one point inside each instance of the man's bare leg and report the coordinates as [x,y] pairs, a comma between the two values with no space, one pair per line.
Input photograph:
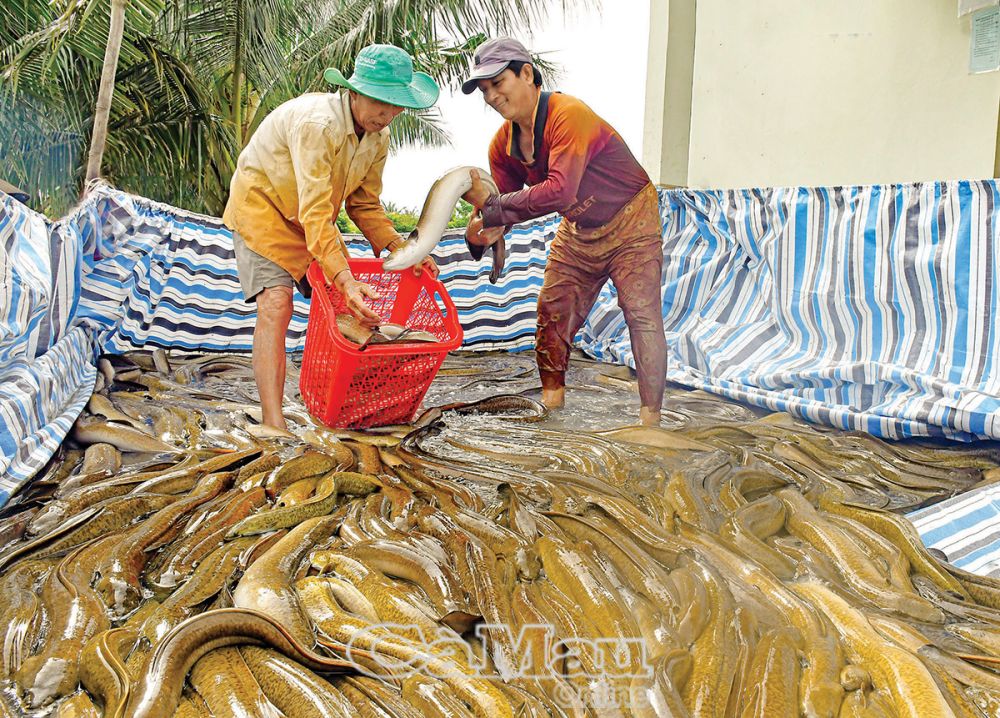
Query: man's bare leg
[554,398]
[649,415]
[274,312]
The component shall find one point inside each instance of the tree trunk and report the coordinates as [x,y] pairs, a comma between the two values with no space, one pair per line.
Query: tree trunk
[103,110]
[238,78]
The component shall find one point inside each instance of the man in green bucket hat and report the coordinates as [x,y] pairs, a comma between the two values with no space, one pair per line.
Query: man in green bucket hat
[309,156]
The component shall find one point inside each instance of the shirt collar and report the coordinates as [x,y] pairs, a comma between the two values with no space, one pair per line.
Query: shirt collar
[539,117]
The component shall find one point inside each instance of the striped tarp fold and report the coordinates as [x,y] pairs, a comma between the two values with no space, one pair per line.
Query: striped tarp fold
[46,367]
[966,528]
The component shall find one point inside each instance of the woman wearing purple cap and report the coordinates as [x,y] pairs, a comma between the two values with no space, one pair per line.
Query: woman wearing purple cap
[554,154]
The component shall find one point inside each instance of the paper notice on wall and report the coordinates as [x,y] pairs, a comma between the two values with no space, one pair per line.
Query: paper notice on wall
[984,54]
[967,6]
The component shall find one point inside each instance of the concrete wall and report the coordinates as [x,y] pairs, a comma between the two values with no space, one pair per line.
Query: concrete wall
[815,92]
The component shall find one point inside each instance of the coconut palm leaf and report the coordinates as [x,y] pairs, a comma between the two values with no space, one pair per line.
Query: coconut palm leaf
[196,77]
[418,128]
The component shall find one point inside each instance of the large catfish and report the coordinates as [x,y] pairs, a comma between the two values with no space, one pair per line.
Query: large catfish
[434,217]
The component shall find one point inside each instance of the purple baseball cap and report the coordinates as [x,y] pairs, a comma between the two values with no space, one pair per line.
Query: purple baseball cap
[492,58]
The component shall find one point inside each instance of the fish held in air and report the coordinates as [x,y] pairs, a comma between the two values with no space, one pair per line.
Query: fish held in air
[434,217]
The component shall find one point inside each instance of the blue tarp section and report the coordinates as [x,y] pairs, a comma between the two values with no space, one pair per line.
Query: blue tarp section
[46,363]
[966,528]
[868,308]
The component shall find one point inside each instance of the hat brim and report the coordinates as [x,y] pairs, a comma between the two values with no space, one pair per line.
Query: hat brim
[483,73]
[421,93]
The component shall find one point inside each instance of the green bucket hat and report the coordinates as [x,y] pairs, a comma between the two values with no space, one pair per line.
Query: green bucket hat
[385,72]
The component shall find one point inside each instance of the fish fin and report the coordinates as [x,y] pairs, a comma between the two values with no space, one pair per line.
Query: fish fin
[460,621]
[402,335]
[499,256]
[475,250]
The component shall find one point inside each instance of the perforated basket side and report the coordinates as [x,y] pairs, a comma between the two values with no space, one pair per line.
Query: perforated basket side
[383,384]
[322,362]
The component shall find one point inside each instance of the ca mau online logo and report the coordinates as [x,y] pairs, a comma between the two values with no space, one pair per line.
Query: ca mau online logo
[408,650]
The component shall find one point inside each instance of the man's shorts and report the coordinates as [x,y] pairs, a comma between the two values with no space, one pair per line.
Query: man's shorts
[257,273]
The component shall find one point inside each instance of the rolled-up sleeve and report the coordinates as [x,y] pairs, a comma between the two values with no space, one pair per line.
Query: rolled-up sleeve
[365,208]
[312,156]
[571,135]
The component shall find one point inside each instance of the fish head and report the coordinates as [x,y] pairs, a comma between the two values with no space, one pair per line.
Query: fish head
[529,564]
[399,258]
[120,596]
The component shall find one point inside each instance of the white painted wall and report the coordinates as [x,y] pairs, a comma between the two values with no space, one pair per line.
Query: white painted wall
[669,86]
[828,92]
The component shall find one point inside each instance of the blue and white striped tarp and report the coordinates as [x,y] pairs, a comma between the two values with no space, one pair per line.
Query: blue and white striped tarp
[869,308]
[167,278]
[966,528]
[164,277]
[46,367]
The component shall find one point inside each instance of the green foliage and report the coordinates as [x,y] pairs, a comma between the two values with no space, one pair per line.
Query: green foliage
[461,216]
[404,220]
[196,77]
[345,225]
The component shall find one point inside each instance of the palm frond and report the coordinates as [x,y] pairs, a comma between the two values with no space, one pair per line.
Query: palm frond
[418,128]
[196,77]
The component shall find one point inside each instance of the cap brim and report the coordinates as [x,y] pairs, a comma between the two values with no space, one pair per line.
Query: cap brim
[335,77]
[483,73]
[421,93]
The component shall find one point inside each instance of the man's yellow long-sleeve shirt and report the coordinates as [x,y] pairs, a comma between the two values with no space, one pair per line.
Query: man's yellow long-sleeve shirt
[301,164]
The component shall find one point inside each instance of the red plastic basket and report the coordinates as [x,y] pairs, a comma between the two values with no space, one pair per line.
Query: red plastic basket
[384,384]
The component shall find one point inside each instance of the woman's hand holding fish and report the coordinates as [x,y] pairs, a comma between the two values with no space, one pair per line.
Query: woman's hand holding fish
[354,296]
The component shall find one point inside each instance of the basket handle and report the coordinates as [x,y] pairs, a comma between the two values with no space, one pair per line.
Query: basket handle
[450,310]
[406,295]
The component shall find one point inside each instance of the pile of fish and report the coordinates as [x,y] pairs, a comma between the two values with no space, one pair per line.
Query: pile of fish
[176,558]
[354,331]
